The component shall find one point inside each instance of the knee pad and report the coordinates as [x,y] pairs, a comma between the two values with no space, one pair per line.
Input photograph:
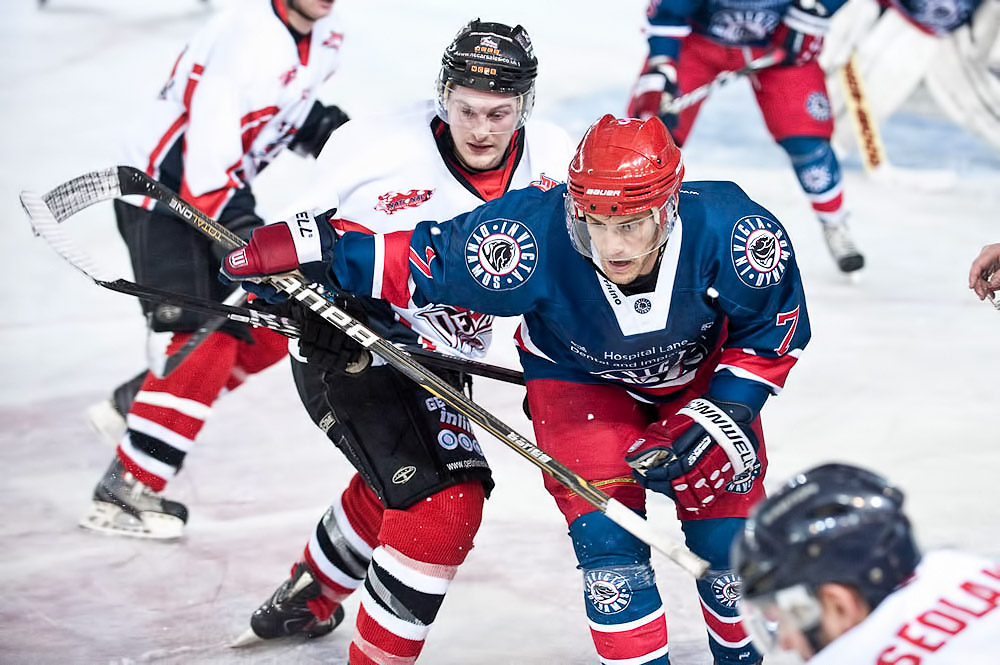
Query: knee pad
[447,522]
[815,164]
[619,584]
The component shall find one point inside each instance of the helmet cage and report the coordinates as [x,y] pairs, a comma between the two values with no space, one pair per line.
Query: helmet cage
[579,227]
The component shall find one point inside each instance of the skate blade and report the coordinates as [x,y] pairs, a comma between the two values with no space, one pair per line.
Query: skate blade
[106,421]
[248,638]
[109,519]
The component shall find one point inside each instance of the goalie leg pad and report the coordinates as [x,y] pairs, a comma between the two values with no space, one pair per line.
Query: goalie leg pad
[623,605]
[405,443]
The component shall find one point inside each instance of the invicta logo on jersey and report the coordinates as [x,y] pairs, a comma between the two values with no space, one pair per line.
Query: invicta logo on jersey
[760,251]
[501,254]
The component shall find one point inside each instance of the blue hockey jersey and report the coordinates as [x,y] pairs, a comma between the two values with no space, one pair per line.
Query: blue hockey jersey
[727,22]
[727,299]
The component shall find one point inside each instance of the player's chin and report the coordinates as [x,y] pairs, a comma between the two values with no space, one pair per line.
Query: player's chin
[621,272]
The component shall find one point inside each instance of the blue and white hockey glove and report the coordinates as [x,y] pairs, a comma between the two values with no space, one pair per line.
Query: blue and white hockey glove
[706,449]
[279,248]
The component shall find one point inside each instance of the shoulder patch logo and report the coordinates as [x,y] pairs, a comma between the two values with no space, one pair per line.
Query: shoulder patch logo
[501,254]
[760,251]
[544,182]
[391,202]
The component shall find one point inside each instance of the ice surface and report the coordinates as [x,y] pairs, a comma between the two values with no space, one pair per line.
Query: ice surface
[901,374]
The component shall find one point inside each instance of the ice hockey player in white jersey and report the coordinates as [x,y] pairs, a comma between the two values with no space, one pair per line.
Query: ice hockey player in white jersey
[831,571]
[243,89]
[407,519]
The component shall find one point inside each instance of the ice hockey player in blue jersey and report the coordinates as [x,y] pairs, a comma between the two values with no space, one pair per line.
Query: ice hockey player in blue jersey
[657,320]
[692,41]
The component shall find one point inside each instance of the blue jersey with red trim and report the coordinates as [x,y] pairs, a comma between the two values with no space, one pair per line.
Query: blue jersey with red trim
[727,299]
[728,22]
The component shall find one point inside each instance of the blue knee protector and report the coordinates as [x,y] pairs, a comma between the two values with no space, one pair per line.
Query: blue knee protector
[618,581]
[720,588]
[815,165]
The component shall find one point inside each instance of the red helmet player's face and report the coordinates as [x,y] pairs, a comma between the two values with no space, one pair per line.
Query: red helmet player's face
[625,245]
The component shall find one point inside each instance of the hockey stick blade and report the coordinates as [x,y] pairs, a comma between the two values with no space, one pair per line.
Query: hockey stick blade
[314,296]
[46,226]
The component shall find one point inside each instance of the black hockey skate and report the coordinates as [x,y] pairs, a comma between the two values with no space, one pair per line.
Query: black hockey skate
[285,613]
[842,247]
[124,506]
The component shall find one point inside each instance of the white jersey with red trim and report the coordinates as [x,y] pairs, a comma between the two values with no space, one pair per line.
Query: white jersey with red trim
[946,614]
[235,98]
[386,174]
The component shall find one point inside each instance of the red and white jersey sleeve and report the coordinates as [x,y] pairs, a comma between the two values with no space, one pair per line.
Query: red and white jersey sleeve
[948,613]
[234,99]
[386,174]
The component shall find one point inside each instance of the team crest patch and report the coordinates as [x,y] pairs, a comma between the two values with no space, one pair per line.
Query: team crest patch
[544,182]
[818,106]
[608,592]
[760,251]
[391,202]
[643,305]
[726,589]
[501,254]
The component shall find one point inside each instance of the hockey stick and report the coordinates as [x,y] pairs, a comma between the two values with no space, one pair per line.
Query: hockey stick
[869,138]
[682,102]
[173,360]
[124,180]
[226,311]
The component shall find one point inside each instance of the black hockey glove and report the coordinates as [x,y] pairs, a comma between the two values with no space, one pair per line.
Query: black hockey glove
[324,345]
[320,123]
[801,32]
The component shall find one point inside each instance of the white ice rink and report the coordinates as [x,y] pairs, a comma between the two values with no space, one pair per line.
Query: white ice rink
[902,373]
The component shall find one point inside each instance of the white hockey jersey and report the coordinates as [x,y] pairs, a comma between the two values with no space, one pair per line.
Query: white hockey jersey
[947,614]
[386,174]
[234,99]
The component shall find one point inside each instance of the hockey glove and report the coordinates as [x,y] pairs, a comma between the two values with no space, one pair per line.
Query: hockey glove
[708,448]
[326,346]
[801,32]
[319,124]
[655,89]
[279,248]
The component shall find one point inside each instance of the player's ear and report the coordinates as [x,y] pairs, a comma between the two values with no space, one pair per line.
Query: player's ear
[843,608]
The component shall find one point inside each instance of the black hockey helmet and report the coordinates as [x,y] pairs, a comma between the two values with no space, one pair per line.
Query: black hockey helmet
[490,57]
[835,523]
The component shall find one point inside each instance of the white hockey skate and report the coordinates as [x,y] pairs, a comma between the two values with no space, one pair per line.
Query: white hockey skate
[842,247]
[124,506]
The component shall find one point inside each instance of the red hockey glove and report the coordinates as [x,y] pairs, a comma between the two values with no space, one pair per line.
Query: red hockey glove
[655,89]
[708,448]
[280,247]
[801,32]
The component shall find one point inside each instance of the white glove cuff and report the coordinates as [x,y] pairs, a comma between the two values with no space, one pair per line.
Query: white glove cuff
[724,431]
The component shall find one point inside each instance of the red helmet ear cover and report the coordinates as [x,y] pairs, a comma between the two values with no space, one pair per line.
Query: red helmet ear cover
[623,166]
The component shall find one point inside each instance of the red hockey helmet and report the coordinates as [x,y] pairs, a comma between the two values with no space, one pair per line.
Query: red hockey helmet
[622,167]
